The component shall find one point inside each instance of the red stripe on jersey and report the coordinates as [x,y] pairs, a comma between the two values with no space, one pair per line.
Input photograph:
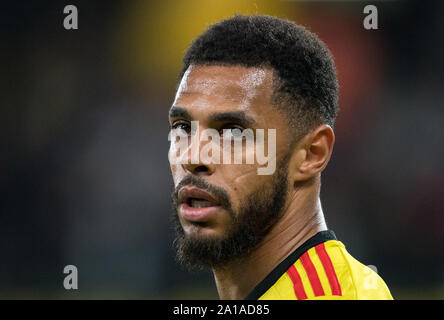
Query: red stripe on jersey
[312,275]
[329,269]
[297,283]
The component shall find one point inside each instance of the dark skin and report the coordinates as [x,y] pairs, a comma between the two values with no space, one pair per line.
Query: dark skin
[225,97]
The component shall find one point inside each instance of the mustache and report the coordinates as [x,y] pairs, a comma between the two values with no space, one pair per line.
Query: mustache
[219,193]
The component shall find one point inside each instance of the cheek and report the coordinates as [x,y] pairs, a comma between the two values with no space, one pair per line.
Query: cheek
[241,180]
[175,173]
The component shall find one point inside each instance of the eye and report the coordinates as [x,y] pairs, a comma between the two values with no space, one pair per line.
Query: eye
[180,125]
[232,131]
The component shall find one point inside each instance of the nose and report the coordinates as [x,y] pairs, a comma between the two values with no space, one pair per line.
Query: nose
[195,163]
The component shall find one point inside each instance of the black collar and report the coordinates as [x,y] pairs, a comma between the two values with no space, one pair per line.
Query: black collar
[280,269]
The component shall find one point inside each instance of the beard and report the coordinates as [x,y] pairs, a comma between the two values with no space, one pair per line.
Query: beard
[257,214]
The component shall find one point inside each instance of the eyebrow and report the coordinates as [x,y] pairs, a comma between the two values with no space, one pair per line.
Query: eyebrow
[235,116]
[178,112]
[239,117]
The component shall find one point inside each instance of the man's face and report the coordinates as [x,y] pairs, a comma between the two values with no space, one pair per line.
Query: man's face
[224,210]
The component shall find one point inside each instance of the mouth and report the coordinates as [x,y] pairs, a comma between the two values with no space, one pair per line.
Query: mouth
[197,205]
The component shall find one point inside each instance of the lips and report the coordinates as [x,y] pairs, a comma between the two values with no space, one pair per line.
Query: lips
[197,205]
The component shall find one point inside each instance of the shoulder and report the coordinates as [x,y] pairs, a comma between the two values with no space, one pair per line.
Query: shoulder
[328,271]
[358,281]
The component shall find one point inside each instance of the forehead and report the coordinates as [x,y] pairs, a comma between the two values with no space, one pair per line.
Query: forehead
[206,88]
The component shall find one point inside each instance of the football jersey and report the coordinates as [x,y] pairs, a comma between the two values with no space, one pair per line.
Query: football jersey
[321,269]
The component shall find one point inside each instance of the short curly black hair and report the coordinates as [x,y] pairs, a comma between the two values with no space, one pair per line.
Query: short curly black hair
[305,78]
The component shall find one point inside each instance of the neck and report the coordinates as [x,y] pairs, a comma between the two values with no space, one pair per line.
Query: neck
[302,218]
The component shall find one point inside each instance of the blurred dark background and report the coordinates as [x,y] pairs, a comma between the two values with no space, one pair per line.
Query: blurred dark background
[84,175]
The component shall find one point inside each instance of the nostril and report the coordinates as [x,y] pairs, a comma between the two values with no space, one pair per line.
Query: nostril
[201,169]
[198,169]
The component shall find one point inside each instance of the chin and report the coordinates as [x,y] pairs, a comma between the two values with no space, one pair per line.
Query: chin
[201,231]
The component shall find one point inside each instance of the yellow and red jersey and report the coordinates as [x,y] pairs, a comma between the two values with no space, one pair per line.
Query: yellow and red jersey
[321,269]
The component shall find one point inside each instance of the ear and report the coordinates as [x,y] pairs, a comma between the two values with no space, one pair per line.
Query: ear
[312,153]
